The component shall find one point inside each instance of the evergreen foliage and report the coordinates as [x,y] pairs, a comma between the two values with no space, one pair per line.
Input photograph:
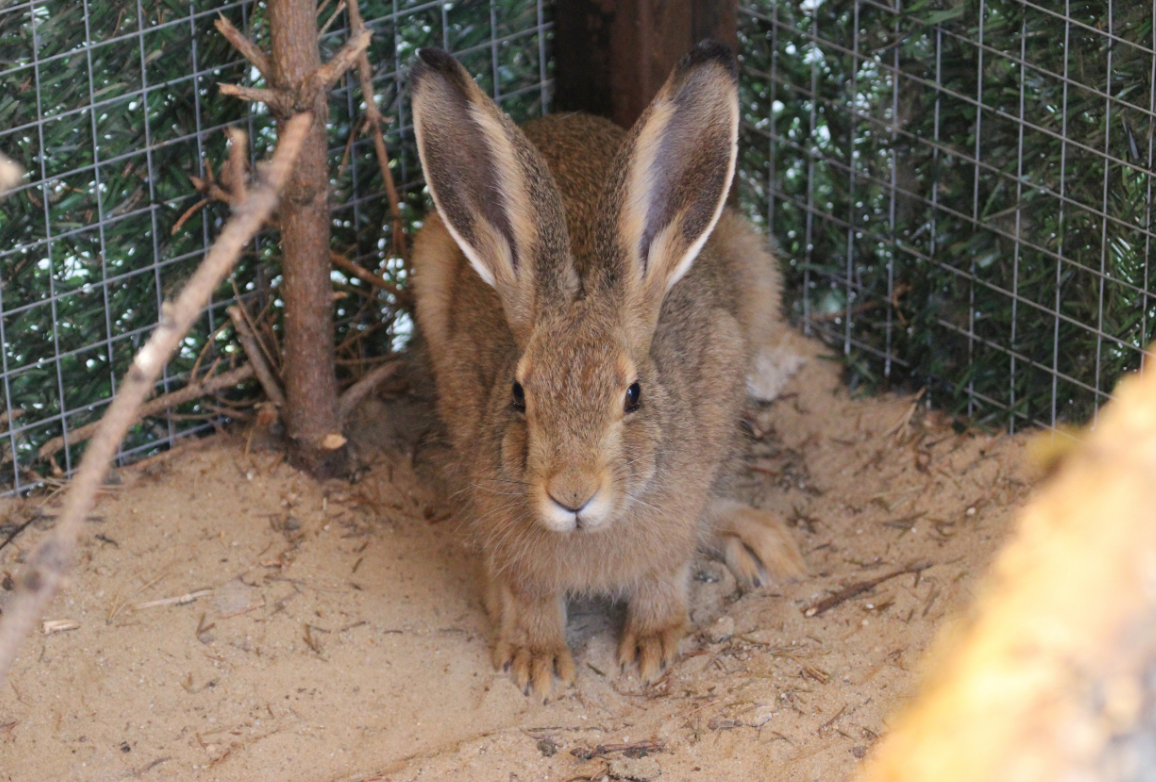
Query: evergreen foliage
[962,189]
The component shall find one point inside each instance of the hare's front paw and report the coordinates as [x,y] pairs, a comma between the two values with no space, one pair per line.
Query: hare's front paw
[654,649]
[533,665]
[655,623]
[531,637]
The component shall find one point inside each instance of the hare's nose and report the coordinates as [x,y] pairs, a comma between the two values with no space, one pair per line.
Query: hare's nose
[572,504]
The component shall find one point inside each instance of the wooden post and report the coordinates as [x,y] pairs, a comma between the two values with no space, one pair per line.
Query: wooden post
[310,412]
[613,55]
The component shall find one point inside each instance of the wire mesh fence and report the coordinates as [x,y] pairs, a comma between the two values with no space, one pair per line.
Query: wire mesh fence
[963,190]
[112,107]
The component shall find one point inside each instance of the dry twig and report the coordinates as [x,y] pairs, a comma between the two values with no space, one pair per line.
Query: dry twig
[348,266]
[362,388]
[179,600]
[261,368]
[859,587]
[374,119]
[195,390]
[51,560]
[229,188]
[246,47]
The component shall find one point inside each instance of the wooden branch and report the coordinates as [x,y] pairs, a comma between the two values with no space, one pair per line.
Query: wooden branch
[373,117]
[362,388]
[246,47]
[231,185]
[195,390]
[248,341]
[328,74]
[612,57]
[235,175]
[348,266]
[859,587]
[192,210]
[51,560]
[276,102]
[332,18]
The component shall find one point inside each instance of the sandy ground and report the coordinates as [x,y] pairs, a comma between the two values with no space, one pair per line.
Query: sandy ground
[344,639]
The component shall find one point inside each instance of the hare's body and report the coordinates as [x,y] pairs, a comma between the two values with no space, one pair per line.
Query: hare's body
[707,332]
[569,265]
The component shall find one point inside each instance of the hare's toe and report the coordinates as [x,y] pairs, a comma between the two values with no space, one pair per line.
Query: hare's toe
[756,545]
[653,650]
[746,565]
[533,669]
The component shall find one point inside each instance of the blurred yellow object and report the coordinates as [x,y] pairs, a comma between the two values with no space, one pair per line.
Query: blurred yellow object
[1048,674]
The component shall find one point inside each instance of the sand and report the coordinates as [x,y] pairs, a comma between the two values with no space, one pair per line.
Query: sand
[337,632]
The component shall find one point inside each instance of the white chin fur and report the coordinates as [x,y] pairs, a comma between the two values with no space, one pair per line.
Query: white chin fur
[770,371]
[592,517]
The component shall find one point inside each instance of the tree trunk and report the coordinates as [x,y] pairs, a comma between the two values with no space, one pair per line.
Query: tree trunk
[310,374]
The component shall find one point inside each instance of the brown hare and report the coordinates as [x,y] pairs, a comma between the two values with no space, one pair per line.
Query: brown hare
[592,311]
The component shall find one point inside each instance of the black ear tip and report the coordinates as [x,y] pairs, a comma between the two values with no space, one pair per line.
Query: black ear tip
[440,62]
[438,59]
[710,50]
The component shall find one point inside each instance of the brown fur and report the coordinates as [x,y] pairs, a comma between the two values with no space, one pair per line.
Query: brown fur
[575,338]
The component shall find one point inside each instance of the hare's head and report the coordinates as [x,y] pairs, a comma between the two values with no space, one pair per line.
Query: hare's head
[584,410]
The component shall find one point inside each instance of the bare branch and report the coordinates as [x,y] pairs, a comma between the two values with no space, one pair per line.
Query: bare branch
[246,47]
[235,176]
[276,102]
[332,18]
[362,388]
[374,118]
[232,184]
[195,390]
[328,74]
[51,560]
[248,341]
[348,266]
[192,210]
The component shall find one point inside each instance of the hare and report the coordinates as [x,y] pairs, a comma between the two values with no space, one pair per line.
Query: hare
[590,338]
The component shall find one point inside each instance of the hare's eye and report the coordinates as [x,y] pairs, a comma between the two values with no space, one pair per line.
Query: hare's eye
[519,397]
[633,397]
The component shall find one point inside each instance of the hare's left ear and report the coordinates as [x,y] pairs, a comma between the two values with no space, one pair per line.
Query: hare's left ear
[674,173]
[493,190]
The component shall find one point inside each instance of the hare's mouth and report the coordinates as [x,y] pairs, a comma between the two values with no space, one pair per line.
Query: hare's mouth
[575,511]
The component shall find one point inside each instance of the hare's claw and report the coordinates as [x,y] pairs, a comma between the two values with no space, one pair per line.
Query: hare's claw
[654,651]
[533,668]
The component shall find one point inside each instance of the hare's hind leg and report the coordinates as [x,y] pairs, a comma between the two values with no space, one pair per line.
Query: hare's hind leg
[755,543]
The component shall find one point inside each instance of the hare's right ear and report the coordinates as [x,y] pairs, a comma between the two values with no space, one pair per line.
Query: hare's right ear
[492,189]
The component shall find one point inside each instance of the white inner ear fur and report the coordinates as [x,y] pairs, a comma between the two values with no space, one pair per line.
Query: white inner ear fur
[515,199]
[430,105]
[640,183]
[644,172]
[474,255]
[490,255]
